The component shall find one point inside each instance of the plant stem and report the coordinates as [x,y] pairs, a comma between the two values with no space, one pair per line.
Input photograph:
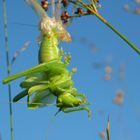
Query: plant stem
[90,8]
[8,68]
[118,33]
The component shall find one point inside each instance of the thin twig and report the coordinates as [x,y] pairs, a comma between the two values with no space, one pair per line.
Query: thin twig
[92,10]
[8,68]
[78,15]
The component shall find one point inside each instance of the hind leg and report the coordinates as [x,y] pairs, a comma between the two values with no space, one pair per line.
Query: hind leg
[65,110]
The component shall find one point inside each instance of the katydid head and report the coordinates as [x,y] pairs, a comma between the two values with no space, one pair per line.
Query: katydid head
[69,103]
[67,100]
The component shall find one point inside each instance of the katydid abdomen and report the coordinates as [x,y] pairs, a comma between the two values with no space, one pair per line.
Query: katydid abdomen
[49,48]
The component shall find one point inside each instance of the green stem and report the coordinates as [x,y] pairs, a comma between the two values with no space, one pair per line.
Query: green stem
[109,25]
[8,68]
[119,34]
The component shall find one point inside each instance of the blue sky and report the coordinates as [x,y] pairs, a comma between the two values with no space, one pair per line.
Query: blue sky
[124,119]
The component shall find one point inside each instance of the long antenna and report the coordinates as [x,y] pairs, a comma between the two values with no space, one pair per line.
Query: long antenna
[51,122]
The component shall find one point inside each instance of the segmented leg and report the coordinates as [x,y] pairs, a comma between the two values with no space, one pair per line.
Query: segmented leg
[65,110]
[20,95]
[52,65]
[82,96]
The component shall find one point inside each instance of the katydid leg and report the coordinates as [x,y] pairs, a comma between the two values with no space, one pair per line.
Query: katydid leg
[65,110]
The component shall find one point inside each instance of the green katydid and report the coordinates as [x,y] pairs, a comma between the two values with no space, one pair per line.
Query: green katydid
[50,80]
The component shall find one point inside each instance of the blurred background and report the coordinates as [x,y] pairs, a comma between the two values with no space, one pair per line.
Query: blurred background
[108,74]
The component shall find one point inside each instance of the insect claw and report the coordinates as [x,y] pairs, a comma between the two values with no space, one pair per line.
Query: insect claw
[88,111]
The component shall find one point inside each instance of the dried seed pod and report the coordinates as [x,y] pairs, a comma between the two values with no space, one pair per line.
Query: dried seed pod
[108,69]
[102,134]
[119,97]
[65,17]
[44,4]
[79,11]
